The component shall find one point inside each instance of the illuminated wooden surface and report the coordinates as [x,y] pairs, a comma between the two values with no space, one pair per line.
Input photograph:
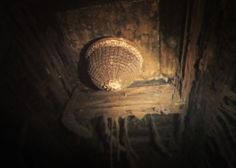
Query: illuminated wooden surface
[137,101]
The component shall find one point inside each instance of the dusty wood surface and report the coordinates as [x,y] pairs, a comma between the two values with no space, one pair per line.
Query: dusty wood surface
[137,101]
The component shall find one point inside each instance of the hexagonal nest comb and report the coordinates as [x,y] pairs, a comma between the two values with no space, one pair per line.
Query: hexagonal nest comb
[113,63]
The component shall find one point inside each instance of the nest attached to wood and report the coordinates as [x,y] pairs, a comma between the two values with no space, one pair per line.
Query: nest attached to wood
[113,63]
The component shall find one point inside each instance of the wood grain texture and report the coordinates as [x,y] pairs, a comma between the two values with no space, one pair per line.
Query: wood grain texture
[43,61]
[192,33]
[212,99]
[137,101]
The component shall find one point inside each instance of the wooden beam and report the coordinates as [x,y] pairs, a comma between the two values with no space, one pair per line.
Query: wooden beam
[137,101]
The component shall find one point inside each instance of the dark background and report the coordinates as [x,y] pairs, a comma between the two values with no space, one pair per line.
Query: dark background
[39,71]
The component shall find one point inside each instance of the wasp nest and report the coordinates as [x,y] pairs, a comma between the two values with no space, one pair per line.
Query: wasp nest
[113,63]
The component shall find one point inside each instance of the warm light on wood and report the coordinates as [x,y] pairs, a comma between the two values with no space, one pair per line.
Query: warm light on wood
[137,101]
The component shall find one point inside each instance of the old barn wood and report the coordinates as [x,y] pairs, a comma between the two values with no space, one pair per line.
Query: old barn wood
[49,108]
[137,101]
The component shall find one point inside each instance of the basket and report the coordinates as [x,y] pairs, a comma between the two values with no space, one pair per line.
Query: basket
[113,63]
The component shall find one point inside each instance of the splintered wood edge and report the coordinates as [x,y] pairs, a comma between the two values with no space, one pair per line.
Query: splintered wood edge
[137,101]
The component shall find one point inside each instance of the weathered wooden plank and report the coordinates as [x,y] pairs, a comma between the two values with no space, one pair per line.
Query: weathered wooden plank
[192,53]
[137,101]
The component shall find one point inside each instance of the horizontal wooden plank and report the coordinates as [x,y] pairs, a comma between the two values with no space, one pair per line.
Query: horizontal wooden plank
[137,101]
